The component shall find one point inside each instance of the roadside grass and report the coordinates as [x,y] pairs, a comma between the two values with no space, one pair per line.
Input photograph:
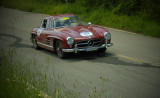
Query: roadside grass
[105,17]
[13,88]
[10,85]
[20,80]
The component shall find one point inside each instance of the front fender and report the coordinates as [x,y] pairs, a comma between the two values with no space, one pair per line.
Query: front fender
[63,41]
[56,37]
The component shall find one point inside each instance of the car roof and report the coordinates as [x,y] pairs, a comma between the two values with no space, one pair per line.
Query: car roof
[60,15]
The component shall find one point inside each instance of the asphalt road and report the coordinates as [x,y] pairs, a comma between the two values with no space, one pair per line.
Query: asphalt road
[129,69]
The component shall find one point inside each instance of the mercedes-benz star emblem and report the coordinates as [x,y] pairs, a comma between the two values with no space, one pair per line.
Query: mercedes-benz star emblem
[90,43]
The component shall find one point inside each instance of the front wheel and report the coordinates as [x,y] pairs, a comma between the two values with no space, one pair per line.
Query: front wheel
[59,51]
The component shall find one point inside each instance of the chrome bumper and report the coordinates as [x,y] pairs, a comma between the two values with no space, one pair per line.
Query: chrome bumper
[75,50]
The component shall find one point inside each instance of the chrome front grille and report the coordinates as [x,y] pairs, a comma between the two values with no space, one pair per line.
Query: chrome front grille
[92,42]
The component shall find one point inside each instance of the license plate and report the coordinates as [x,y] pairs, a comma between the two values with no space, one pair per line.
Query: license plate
[86,49]
[90,49]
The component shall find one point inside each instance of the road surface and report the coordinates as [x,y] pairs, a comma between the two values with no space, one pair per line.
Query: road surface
[129,69]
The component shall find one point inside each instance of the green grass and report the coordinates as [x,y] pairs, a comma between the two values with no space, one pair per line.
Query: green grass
[19,80]
[12,86]
[105,17]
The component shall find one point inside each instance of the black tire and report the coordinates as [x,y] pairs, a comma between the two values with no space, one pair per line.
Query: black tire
[59,51]
[34,42]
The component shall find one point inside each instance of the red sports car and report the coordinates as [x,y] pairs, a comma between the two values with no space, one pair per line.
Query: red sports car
[68,34]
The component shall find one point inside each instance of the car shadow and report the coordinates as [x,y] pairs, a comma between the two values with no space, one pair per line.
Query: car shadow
[108,58]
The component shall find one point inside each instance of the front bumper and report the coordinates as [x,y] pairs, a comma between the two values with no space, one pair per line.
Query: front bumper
[87,49]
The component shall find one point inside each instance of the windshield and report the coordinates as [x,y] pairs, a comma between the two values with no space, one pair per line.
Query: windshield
[68,21]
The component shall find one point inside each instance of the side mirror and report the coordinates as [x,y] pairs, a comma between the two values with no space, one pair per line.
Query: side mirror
[89,23]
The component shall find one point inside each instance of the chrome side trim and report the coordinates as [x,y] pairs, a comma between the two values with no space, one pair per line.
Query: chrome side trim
[51,36]
[44,45]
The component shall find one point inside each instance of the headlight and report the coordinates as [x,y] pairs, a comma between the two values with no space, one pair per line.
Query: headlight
[70,40]
[107,35]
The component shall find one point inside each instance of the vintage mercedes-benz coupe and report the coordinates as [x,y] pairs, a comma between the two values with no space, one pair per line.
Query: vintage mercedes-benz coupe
[68,34]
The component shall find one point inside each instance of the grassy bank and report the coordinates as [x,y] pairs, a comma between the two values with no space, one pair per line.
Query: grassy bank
[11,85]
[27,80]
[138,23]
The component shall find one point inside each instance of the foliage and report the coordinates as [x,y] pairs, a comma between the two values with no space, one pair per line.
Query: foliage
[140,16]
[10,85]
[127,7]
[27,80]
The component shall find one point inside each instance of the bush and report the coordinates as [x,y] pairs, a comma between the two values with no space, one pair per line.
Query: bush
[133,15]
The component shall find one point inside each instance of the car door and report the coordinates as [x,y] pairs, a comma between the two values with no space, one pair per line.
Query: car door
[41,31]
[45,30]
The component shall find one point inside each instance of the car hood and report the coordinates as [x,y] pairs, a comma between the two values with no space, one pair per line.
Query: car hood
[82,32]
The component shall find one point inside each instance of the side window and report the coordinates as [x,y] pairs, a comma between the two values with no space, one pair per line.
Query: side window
[53,23]
[49,25]
[44,24]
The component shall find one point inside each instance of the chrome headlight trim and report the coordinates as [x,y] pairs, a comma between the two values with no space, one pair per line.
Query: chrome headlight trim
[70,40]
[107,35]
